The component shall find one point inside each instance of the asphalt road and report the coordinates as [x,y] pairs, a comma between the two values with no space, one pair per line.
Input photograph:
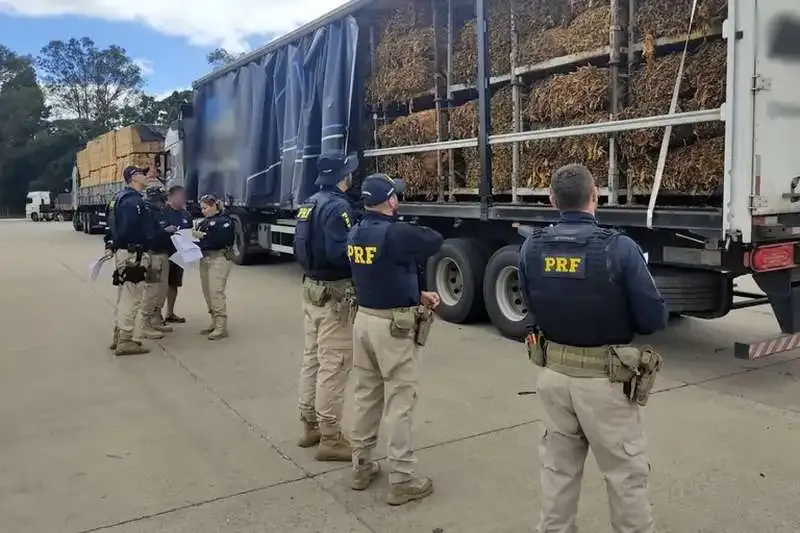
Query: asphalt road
[198,436]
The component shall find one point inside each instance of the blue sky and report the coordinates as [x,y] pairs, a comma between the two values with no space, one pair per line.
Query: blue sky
[174,62]
[169,38]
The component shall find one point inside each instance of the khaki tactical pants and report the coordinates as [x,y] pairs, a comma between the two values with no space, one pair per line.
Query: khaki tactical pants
[385,371]
[214,271]
[327,359]
[129,295]
[583,413]
[155,294]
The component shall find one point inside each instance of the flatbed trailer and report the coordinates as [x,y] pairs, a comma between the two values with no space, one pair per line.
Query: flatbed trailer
[246,139]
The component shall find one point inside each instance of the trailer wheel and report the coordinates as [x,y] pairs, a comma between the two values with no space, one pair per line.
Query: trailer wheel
[87,226]
[240,255]
[76,222]
[456,273]
[501,291]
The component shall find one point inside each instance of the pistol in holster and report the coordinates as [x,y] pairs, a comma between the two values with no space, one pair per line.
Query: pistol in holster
[133,271]
[345,305]
[227,252]
[424,321]
[635,367]
[536,345]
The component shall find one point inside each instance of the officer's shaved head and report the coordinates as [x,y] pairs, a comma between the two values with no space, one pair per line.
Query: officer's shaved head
[572,189]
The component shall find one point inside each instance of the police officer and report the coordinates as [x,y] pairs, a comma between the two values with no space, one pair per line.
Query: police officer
[178,217]
[128,238]
[321,249]
[588,292]
[216,236]
[394,315]
[155,290]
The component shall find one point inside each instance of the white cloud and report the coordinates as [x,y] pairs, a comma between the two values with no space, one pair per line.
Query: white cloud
[145,65]
[203,22]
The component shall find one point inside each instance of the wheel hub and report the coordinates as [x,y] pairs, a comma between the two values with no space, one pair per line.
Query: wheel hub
[509,296]
[449,281]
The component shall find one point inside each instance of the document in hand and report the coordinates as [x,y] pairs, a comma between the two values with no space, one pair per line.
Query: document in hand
[187,251]
[97,266]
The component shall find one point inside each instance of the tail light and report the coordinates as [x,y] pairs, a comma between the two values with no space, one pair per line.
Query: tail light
[772,257]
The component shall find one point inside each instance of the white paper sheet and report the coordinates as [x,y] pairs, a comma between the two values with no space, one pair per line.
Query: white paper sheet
[187,235]
[96,267]
[187,250]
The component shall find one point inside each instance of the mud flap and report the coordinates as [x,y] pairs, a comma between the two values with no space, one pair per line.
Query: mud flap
[782,288]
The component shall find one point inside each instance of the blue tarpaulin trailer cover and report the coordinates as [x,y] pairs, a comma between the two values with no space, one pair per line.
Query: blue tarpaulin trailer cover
[260,129]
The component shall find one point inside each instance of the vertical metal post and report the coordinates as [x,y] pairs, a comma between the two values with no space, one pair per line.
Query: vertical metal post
[451,182]
[629,92]
[439,90]
[515,104]
[613,63]
[484,110]
[372,47]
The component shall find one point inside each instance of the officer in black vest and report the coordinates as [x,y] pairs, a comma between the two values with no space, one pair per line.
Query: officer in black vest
[588,292]
[393,320]
[320,243]
[156,289]
[129,237]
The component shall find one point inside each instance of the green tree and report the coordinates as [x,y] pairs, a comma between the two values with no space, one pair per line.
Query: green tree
[86,82]
[148,110]
[221,57]
[22,114]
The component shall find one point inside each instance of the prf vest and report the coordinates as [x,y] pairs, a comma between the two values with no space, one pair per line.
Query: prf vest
[379,282]
[573,286]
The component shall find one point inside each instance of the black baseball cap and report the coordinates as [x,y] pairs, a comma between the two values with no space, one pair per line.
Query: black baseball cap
[333,168]
[132,170]
[377,188]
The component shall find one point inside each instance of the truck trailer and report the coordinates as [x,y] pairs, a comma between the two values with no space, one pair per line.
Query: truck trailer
[686,112]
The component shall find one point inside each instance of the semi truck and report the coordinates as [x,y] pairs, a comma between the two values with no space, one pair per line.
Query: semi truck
[704,180]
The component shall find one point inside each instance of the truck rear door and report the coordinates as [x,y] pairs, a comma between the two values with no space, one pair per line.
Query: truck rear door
[776,112]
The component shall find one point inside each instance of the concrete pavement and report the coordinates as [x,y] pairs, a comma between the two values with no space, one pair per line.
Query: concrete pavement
[198,437]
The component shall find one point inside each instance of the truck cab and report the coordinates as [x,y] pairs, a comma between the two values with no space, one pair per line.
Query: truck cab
[34,203]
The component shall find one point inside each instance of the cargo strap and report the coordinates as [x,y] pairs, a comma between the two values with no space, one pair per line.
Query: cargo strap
[577,362]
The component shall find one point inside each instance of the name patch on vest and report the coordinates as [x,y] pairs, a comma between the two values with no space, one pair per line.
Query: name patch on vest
[361,255]
[304,212]
[567,266]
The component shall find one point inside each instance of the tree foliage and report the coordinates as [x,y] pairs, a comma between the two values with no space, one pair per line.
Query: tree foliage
[86,82]
[221,57]
[91,90]
[22,112]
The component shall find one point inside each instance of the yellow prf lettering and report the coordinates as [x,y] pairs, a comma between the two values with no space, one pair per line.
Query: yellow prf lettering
[562,264]
[361,255]
[303,213]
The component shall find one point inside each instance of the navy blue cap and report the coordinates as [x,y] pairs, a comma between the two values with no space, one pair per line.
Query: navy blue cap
[333,168]
[132,170]
[377,188]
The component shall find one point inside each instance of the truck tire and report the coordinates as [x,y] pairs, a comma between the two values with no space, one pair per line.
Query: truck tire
[35,217]
[240,253]
[76,222]
[501,293]
[87,220]
[456,273]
